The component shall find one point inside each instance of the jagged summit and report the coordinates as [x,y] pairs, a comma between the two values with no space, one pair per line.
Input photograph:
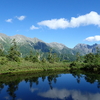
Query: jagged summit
[24,39]
[35,40]
[27,44]
[85,48]
[4,37]
[19,38]
[57,45]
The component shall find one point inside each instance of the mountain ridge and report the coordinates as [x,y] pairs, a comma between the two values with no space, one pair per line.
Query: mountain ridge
[36,40]
[28,44]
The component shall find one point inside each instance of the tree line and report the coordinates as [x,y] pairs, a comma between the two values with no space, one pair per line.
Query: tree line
[14,54]
[88,61]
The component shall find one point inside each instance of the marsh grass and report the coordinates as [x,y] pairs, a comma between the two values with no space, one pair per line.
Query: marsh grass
[24,66]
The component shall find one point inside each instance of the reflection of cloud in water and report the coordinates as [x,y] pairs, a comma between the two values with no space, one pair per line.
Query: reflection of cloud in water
[63,93]
[33,89]
[7,97]
[19,99]
[77,95]
[55,93]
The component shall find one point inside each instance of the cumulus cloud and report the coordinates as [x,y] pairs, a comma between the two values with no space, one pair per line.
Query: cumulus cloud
[21,17]
[93,38]
[9,20]
[88,19]
[55,23]
[92,18]
[33,27]
[63,93]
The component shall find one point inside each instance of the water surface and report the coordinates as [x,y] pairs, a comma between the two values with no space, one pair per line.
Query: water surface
[51,87]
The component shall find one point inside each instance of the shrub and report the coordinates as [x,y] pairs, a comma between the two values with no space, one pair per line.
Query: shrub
[3,60]
[44,60]
[73,64]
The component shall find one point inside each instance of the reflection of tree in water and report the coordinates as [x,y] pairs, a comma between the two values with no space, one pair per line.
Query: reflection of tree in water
[98,84]
[91,78]
[32,80]
[13,84]
[1,86]
[36,81]
[78,76]
[43,78]
[12,87]
[52,78]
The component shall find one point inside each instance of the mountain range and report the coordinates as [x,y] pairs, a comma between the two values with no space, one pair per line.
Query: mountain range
[26,44]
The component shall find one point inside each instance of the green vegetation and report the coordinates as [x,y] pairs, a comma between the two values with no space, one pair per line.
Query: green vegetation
[13,61]
[89,62]
[13,53]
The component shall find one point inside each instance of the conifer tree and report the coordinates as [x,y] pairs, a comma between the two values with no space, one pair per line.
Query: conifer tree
[50,57]
[1,50]
[78,57]
[13,53]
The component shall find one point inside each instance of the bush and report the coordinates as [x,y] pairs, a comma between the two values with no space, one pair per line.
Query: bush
[27,58]
[44,60]
[73,64]
[35,59]
[3,60]
[13,53]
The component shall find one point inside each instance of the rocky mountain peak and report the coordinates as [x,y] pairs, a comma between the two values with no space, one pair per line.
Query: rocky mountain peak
[26,42]
[35,40]
[57,45]
[3,37]
[20,38]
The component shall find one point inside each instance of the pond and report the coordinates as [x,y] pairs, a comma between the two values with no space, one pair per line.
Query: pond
[57,86]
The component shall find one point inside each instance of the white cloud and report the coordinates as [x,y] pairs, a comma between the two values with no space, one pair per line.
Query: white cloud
[92,18]
[93,38]
[9,20]
[88,19]
[63,94]
[21,18]
[33,27]
[55,23]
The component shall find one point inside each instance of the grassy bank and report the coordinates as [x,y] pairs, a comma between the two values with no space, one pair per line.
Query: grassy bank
[25,66]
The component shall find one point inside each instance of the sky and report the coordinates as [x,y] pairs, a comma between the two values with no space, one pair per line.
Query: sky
[69,22]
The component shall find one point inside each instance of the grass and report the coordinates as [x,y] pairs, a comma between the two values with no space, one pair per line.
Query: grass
[24,66]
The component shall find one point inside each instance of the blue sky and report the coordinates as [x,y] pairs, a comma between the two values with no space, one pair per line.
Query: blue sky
[64,21]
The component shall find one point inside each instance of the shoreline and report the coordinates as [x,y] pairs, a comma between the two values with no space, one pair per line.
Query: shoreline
[14,67]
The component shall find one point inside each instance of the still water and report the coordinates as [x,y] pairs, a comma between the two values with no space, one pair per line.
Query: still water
[63,86]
